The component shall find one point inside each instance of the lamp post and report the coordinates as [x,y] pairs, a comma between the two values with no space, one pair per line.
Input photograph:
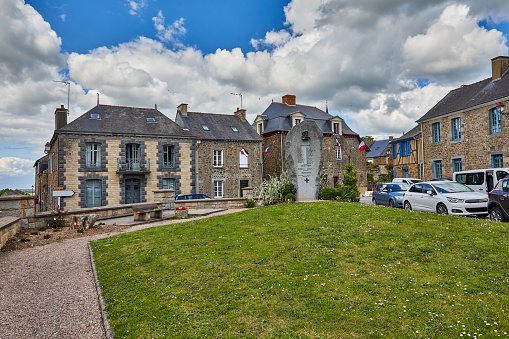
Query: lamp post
[500,107]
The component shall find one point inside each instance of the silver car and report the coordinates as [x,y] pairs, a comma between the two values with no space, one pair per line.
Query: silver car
[445,197]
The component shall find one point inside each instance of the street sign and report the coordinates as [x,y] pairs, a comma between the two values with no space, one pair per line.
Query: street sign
[63,193]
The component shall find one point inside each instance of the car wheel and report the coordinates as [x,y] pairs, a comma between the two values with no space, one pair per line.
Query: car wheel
[442,209]
[391,203]
[408,206]
[496,214]
[374,201]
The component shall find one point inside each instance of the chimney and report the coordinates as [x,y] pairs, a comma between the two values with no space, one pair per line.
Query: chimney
[241,113]
[182,108]
[390,138]
[60,117]
[289,99]
[499,66]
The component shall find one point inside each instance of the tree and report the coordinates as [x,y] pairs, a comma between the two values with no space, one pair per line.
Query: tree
[368,138]
[349,190]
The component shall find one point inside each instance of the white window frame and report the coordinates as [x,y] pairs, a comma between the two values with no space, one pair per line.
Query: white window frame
[339,153]
[218,158]
[243,160]
[218,188]
[93,157]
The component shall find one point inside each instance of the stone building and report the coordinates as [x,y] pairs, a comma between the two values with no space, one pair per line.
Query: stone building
[468,128]
[224,168]
[276,121]
[407,155]
[114,155]
[379,162]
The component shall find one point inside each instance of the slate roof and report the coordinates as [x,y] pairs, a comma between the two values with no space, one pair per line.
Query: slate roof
[412,134]
[219,126]
[469,96]
[377,149]
[129,120]
[277,118]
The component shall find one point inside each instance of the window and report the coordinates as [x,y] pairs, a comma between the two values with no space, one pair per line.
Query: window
[168,184]
[436,132]
[93,157]
[339,154]
[408,148]
[93,193]
[151,120]
[394,151]
[456,129]
[297,121]
[132,157]
[235,129]
[406,174]
[205,127]
[51,163]
[259,128]
[336,128]
[437,168]
[218,158]
[218,188]
[168,156]
[95,116]
[243,162]
[497,161]
[495,123]
[401,154]
[457,165]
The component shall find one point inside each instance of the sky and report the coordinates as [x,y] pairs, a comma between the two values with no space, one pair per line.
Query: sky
[379,64]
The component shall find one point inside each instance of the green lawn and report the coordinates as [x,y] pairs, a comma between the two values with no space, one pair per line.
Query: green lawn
[309,270]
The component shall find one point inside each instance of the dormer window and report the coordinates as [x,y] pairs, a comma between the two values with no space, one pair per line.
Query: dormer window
[205,127]
[336,128]
[94,116]
[336,125]
[297,121]
[151,120]
[297,118]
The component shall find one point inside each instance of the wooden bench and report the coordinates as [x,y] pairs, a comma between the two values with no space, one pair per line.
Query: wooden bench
[146,211]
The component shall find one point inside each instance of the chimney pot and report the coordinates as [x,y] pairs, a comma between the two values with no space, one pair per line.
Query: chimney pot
[289,99]
[60,117]
[390,138]
[182,108]
[241,113]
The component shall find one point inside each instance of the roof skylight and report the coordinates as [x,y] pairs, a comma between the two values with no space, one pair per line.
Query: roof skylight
[94,116]
[205,127]
[235,129]
[151,120]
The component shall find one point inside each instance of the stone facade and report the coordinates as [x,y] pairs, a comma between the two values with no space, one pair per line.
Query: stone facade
[230,172]
[476,146]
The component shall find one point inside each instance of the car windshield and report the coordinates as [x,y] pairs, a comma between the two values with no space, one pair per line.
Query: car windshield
[415,181]
[399,187]
[451,187]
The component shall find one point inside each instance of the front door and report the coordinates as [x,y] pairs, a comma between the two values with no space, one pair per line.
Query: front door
[132,191]
[243,183]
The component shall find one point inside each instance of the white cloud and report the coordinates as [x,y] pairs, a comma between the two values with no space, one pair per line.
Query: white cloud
[13,167]
[136,6]
[171,33]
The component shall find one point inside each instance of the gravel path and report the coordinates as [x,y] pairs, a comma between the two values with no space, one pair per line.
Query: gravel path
[49,291]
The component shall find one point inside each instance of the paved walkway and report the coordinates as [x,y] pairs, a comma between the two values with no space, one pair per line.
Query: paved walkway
[49,291]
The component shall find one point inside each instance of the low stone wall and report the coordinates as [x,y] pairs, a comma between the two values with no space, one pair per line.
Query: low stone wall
[9,226]
[19,206]
[212,203]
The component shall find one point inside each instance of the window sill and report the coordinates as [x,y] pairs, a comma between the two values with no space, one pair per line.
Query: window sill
[456,141]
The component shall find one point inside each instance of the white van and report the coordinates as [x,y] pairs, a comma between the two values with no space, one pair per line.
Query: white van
[481,180]
[408,181]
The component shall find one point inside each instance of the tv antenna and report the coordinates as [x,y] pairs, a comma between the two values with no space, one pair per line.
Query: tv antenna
[68,83]
[240,95]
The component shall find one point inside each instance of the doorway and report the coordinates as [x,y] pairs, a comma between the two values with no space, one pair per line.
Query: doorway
[132,191]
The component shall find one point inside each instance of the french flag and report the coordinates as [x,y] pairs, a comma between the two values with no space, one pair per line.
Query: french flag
[244,152]
[362,146]
[337,143]
[268,149]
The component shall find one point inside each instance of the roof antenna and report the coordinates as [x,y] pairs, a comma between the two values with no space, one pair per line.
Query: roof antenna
[68,92]
[239,94]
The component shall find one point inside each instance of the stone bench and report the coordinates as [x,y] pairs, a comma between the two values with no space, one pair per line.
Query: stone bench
[146,211]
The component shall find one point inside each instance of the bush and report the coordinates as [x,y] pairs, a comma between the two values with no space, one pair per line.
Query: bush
[80,231]
[250,203]
[34,233]
[271,191]
[47,236]
[24,240]
[349,191]
[42,229]
[290,197]
[288,188]
[57,220]
[327,194]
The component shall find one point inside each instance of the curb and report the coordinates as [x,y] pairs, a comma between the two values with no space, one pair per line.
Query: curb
[102,303]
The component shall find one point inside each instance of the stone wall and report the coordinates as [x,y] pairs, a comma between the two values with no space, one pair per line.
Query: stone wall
[231,173]
[9,226]
[19,206]
[476,146]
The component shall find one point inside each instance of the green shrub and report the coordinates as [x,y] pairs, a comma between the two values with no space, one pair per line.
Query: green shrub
[288,188]
[349,191]
[42,229]
[56,230]
[24,240]
[271,191]
[57,220]
[290,197]
[328,194]
[34,233]
[47,236]
[250,203]
[79,231]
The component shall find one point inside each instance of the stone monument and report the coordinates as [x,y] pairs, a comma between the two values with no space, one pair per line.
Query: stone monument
[303,155]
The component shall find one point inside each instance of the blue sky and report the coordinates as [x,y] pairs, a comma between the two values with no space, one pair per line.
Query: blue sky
[380,65]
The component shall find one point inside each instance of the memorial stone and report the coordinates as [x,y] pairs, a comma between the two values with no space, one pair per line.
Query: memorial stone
[303,155]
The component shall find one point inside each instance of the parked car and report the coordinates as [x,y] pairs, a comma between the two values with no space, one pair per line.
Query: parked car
[389,194]
[440,179]
[498,201]
[408,181]
[192,196]
[445,197]
[481,180]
